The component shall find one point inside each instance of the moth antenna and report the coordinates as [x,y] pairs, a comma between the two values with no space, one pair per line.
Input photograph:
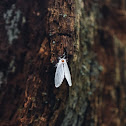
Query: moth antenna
[59,58]
[56,65]
[64,55]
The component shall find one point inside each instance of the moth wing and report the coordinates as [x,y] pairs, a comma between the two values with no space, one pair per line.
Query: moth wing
[67,74]
[59,75]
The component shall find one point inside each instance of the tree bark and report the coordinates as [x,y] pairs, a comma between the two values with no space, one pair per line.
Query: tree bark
[34,34]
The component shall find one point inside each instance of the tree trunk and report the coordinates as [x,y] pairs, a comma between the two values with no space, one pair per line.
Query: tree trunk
[34,34]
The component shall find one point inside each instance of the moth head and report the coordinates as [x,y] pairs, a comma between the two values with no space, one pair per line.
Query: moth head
[62,60]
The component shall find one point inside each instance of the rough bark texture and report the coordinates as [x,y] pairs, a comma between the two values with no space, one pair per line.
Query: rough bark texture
[92,35]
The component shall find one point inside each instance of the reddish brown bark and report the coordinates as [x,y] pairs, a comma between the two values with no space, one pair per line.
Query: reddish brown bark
[29,96]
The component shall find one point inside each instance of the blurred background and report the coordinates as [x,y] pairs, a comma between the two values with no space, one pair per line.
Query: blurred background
[92,35]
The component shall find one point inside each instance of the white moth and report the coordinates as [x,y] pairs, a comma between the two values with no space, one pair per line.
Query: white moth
[62,71]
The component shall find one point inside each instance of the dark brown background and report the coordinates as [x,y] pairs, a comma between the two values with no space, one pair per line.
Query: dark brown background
[92,34]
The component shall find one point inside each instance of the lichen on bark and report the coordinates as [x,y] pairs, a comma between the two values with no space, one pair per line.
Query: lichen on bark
[85,69]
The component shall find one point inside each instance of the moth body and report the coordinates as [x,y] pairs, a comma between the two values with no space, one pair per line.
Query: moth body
[62,71]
